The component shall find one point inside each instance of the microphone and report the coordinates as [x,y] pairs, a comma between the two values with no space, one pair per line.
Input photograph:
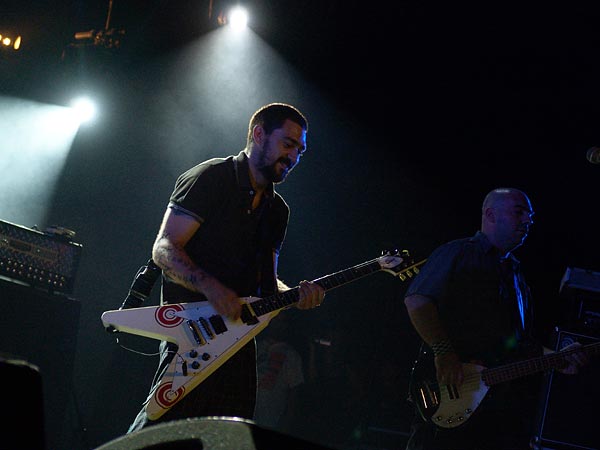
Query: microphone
[593,155]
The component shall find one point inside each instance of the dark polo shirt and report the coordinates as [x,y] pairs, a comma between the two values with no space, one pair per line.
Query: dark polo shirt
[234,243]
[477,306]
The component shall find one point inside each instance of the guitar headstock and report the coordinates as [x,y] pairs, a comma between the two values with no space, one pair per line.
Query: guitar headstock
[399,263]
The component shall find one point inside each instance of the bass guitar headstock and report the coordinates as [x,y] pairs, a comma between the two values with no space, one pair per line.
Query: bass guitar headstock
[399,263]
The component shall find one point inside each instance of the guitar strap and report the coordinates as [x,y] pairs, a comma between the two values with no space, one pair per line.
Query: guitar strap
[142,285]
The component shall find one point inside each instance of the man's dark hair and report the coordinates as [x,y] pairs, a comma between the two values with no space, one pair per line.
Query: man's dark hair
[273,115]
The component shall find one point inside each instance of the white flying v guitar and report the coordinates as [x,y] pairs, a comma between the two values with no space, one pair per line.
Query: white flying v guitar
[206,340]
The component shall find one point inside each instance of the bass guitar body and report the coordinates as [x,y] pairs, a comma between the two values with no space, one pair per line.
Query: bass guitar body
[449,406]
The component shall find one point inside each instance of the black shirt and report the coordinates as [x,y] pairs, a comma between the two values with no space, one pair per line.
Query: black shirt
[476,298]
[234,243]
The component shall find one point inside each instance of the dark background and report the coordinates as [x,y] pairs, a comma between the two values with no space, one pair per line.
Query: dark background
[416,111]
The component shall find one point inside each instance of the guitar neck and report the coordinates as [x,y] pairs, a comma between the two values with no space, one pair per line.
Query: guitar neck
[528,367]
[328,282]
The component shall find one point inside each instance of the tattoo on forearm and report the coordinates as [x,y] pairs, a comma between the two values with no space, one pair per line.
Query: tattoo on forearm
[181,269]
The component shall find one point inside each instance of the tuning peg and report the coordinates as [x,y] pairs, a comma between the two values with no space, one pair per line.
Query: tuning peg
[406,257]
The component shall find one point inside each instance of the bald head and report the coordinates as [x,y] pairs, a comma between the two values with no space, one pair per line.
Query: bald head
[506,215]
[500,196]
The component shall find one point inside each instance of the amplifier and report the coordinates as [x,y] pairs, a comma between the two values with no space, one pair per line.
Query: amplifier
[576,280]
[567,414]
[582,290]
[46,260]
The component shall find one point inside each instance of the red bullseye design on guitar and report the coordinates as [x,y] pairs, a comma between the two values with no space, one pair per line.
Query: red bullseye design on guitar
[167,397]
[167,317]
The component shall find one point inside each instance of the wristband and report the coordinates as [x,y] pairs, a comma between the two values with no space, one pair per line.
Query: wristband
[442,348]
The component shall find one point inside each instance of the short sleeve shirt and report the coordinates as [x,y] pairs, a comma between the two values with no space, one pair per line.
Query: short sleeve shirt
[463,277]
[234,243]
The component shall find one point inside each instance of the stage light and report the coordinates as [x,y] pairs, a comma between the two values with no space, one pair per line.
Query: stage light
[108,39]
[238,18]
[8,41]
[35,140]
[84,109]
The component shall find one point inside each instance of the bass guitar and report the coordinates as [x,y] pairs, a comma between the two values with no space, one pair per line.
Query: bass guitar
[451,406]
[206,340]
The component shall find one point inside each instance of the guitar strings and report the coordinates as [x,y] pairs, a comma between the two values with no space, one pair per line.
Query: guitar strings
[517,368]
[469,381]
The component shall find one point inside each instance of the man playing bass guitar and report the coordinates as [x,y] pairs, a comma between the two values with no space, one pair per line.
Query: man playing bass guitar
[471,306]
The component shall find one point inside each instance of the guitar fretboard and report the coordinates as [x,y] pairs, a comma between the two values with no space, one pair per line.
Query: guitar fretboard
[534,365]
[284,299]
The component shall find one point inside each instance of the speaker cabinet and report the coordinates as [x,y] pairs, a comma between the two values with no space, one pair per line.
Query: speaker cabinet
[568,413]
[25,395]
[208,433]
[41,329]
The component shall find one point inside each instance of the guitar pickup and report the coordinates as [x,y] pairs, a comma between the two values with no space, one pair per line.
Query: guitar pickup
[453,391]
[247,317]
[218,324]
[206,327]
[196,332]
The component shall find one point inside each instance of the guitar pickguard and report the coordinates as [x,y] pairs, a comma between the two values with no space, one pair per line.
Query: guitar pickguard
[451,406]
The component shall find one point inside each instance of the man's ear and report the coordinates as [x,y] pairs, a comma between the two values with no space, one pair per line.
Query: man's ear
[490,215]
[258,134]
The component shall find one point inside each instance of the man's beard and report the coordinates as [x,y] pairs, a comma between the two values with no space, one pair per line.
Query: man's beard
[270,171]
[271,174]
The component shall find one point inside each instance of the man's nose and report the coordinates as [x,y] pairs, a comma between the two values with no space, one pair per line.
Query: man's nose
[294,155]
